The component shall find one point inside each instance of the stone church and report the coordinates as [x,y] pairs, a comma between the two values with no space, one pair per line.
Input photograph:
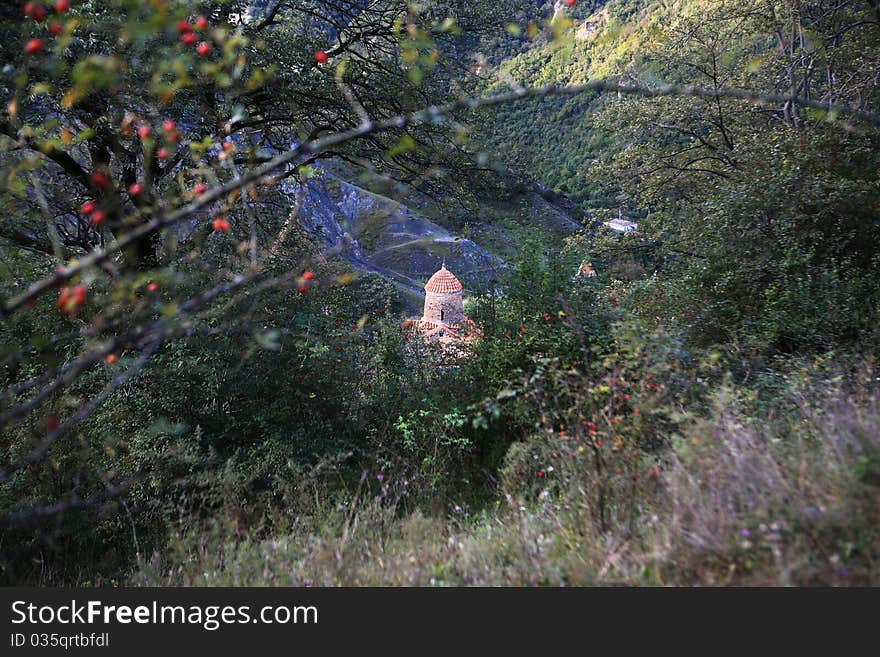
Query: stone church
[443,318]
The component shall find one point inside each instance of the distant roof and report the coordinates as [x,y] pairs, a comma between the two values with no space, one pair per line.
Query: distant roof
[443,282]
[586,269]
[621,225]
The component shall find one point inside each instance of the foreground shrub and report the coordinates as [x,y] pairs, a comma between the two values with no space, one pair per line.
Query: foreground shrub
[735,502]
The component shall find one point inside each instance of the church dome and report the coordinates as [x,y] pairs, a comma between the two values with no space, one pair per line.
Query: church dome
[443,282]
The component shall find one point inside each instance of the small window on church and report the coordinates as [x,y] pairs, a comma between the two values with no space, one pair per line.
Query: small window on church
[442,313]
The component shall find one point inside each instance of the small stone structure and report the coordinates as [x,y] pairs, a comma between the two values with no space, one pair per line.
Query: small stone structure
[443,298]
[443,317]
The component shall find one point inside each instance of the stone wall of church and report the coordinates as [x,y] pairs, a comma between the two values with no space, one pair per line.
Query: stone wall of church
[443,308]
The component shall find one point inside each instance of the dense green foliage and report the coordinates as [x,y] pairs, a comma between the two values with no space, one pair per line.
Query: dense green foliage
[245,403]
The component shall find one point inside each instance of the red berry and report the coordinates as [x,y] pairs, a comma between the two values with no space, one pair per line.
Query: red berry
[145,131]
[188,39]
[33,47]
[136,189]
[202,23]
[55,29]
[62,6]
[168,125]
[570,3]
[100,179]
[162,153]
[87,208]
[110,359]
[200,189]
[204,49]
[184,27]
[320,56]
[39,13]
[63,299]
[303,289]
[152,287]
[228,145]
[308,276]
[221,225]
[70,299]
[28,9]
[98,216]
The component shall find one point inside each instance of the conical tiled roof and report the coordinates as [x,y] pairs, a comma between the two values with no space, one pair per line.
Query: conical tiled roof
[443,282]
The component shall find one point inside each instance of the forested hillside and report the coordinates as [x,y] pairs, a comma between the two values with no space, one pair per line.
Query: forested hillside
[217,218]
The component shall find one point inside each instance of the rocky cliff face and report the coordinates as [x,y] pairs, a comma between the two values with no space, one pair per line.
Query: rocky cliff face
[377,234]
[381,235]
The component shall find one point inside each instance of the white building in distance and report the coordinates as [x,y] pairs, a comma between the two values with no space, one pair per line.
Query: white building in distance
[621,225]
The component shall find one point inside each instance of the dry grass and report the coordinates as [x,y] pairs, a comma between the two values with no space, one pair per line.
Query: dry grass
[742,501]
